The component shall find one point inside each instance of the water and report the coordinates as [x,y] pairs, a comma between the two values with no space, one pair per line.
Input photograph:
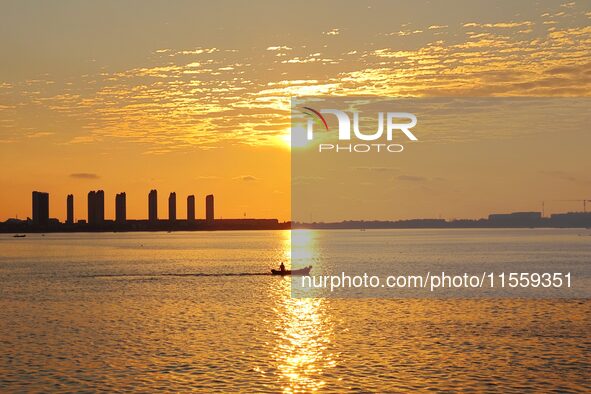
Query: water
[158,311]
[479,253]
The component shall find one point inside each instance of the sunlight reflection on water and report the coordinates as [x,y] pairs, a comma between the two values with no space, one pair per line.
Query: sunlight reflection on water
[304,331]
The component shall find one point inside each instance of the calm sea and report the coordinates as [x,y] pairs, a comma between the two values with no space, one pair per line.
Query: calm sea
[194,312]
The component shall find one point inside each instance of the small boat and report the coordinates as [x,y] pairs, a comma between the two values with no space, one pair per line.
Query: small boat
[302,271]
[19,235]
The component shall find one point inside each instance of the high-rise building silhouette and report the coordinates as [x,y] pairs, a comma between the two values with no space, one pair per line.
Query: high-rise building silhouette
[153,206]
[91,206]
[209,208]
[96,207]
[120,208]
[40,208]
[100,196]
[172,207]
[191,208]
[70,209]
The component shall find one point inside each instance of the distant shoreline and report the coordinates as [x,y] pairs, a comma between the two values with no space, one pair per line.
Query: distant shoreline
[280,227]
[511,220]
[110,226]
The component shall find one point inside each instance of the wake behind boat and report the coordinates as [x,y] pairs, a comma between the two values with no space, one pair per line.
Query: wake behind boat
[302,271]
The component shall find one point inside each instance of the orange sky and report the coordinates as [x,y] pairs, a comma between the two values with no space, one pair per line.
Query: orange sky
[194,97]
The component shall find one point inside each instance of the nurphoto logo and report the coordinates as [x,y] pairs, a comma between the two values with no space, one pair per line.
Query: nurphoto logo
[395,122]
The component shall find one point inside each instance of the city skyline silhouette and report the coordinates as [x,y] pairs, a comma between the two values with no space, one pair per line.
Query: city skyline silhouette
[96,220]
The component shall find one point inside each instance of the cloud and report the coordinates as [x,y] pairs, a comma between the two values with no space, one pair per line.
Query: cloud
[403,33]
[411,178]
[500,25]
[333,32]
[246,178]
[84,175]
[279,48]
[377,169]
[294,82]
[37,134]
[312,58]
[570,69]
[84,139]
[197,51]
[305,180]
[562,175]
[198,97]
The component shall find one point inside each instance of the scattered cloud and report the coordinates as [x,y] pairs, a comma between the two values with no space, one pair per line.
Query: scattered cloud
[403,33]
[84,175]
[197,51]
[304,180]
[500,25]
[246,178]
[377,169]
[38,134]
[84,139]
[565,176]
[197,97]
[312,58]
[279,48]
[333,32]
[294,82]
[411,178]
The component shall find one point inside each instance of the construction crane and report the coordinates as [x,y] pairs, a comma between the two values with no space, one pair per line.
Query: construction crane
[579,200]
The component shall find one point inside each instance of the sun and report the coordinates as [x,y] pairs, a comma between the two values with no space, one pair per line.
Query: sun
[285,139]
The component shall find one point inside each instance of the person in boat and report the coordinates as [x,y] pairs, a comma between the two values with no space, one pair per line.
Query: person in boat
[282,267]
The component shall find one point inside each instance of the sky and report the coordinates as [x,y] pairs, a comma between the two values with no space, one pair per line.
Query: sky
[194,97]
[471,157]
